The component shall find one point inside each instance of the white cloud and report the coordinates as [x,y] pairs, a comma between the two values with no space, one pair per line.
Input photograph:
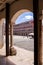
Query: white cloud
[29,17]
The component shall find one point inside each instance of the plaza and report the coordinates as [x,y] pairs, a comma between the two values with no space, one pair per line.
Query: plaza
[25,52]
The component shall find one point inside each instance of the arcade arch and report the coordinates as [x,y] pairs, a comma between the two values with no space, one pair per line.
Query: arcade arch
[18,13]
[13,19]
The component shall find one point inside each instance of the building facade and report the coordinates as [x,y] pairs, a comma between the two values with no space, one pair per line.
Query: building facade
[23,28]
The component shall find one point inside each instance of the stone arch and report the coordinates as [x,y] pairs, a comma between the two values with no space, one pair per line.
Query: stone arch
[13,19]
[15,16]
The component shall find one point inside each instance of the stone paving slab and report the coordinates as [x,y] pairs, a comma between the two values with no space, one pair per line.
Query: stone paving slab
[23,57]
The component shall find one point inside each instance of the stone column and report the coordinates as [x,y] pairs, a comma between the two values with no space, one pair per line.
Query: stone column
[12,49]
[1,35]
[7,28]
[40,42]
[37,34]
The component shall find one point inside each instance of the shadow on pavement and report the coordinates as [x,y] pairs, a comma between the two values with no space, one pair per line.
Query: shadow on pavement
[5,61]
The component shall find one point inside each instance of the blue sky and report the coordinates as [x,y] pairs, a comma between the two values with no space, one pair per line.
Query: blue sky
[26,16]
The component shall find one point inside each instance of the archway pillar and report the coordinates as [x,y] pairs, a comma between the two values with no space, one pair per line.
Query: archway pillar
[7,29]
[11,35]
[37,34]
[40,42]
[12,49]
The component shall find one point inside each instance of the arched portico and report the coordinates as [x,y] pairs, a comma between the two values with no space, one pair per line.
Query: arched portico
[22,5]
[17,7]
[15,16]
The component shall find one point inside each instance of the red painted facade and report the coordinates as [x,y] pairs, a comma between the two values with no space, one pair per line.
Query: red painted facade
[23,28]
